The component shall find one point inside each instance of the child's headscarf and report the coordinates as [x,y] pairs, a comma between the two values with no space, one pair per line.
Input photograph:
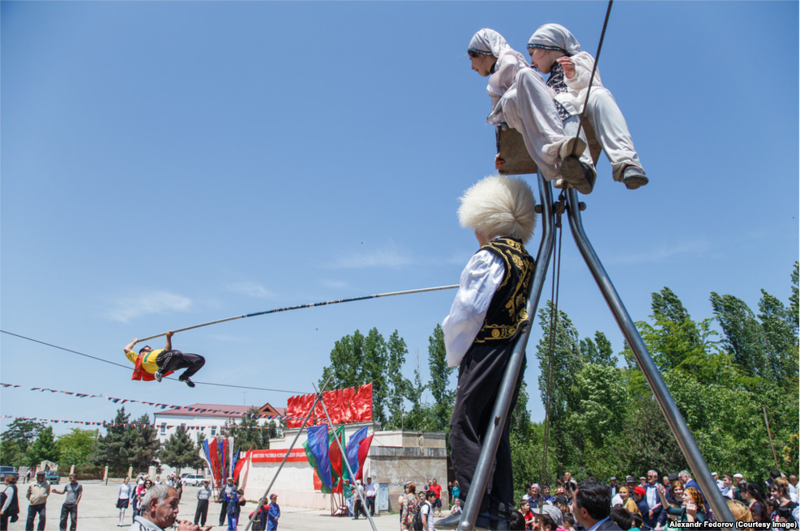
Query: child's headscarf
[489,42]
[555,37]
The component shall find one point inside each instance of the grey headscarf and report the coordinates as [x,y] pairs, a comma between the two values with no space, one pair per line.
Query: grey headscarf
[555,37]
[489,42]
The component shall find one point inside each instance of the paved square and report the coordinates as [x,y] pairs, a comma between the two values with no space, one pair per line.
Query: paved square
[98,512]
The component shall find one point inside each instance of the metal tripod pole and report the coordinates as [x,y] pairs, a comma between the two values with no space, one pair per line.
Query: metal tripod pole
[285,457]
[676,423]
[491,441]
[346,462]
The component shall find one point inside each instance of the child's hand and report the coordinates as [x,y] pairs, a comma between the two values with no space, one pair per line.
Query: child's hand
[568,66]
[498,162]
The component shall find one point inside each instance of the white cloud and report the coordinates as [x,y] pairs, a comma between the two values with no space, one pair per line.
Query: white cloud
[250,289]
[388,257]
[336,284]
[662,253]
[150,302]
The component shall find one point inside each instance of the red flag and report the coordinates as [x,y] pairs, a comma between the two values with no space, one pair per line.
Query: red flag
[335,406]
[212,455]
[336,459]
[241,462]
[347,405]
[362,404]
[291,410]
[308,402]
[363,450]
[319,413]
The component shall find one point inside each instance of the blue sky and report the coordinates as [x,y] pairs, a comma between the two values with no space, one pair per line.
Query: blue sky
[170,163]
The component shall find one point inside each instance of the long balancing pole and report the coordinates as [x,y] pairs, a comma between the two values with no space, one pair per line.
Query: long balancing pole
[300,306]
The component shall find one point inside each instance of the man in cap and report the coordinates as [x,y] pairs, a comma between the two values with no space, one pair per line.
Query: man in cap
[203,497]
[160,512]
[488,314]
[226,492]
[37,498]
[612,487]
[274,513]
[155,364]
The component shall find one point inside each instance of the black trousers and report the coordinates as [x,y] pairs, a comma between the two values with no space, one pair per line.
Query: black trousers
[179,360]
[479,378]
[33,510]
[371,505]
[70,511]
[223,513]
[201,513]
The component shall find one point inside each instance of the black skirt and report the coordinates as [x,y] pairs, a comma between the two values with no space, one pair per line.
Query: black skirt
[122,503]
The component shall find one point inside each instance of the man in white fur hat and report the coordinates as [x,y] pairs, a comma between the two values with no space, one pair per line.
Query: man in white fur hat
[488,314]
[555,51]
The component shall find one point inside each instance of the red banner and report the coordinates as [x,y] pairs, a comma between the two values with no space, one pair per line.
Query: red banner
[343,405]
[276,456]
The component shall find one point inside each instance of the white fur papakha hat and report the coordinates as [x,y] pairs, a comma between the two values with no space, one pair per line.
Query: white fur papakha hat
[499,205]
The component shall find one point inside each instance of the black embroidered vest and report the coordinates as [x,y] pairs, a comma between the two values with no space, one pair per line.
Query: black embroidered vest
[507,314]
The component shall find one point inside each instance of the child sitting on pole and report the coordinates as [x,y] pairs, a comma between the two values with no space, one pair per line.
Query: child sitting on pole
[487,316]
[555,51]
[522,100]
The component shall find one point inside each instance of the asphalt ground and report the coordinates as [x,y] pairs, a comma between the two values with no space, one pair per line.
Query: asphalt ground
[98,512]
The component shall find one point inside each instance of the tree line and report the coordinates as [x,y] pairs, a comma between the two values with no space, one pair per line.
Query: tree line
[28,443]
[602,417]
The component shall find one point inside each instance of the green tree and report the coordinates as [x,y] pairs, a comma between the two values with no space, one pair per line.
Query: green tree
[179,451]
[75,447]
[14,442]
[44,448]
[111,449]
[557,380]
[357,360]
[439,384]
[142,444]
[780,335]
[248,432]
[417,418]
[397,384]
[599,351]
[794,311]
[744,337]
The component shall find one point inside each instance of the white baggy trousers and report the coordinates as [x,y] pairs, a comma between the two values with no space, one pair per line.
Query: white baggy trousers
[611,131]
[528,107]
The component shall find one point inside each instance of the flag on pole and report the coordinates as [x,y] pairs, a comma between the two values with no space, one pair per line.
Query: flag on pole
[317,452]
[363,451]
[352,447]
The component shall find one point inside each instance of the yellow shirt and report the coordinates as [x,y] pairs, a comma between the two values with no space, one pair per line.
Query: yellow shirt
[149,361]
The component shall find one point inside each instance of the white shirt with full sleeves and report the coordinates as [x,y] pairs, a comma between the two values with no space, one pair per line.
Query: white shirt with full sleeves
[479,282]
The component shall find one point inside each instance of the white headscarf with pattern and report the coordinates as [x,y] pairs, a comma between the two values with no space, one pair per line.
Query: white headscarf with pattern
[489,42]
[555,37]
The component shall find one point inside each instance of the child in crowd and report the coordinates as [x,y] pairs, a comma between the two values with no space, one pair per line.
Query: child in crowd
[521,99]
[554,50]
[489,312]
[525,510]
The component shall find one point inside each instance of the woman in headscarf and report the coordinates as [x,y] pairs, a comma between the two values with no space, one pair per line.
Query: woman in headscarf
[554,50]
[522,100]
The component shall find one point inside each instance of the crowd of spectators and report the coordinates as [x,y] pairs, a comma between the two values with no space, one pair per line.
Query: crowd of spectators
[649,503]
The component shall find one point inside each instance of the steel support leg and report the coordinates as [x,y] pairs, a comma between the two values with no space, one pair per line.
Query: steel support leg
[676,423]
[501,408]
